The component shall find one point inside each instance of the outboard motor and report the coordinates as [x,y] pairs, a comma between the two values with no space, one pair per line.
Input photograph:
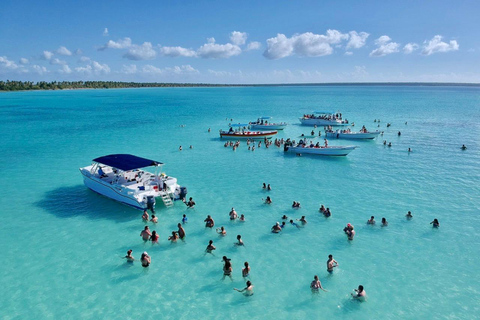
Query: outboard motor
[183,193]
[151,203]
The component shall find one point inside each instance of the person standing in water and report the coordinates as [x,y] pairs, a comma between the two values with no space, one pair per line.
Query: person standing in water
[248,290]
[181,231]
[129,256]
[210,247]
[145,259]
[435,223]
[145,234]
[316,285]
[359,294]
[227,268]
[246,270]
[331,263]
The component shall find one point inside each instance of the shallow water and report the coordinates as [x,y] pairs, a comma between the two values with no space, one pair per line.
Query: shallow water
[62,244]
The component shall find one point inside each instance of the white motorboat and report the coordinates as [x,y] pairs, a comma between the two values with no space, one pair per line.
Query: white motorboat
[263,124]
[242,133]
[121,178]
[323,118]
[318,150]
[346,134]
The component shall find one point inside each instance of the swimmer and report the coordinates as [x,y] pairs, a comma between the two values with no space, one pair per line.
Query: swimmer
[360,294]
[210,247]
[154,237]
[316,285]
[233,214]
[264,185]
[173,237]
[190,203]
[248,290]
[331,263]
[371,221]
[276,228]
[221,231]
[327,213]
[322,209]
[435,223]
[292,223]
[349,231]
[389,144]
[409,149]
[145,234]
[284,217]
[154,219]
[268,200]
[399,133]
[242,217]
[145,216]
[209,223]
[129,256]
[246,270]
[184,219]
[227,268]
[180,148]
[181,231]
[268,187]
[145,259]
[384,142]
[191,147]
[409,215]
[239,241]
[463,147]
[302,220]
[209,130]
[384,222]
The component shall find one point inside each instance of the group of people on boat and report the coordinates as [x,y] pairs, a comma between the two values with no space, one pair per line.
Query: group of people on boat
[336,116]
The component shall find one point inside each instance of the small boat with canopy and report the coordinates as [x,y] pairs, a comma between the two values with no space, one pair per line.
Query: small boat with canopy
[323,118]
[263,123]
[121,177]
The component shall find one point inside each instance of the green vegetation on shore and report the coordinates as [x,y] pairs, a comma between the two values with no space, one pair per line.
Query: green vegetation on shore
[56,85]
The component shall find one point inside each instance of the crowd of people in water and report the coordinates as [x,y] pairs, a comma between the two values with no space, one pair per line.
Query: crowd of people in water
[180,234]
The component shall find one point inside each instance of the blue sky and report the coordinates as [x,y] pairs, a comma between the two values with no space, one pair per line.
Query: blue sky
[240,41]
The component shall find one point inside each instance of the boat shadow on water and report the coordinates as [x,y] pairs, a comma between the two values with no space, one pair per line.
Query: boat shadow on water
[74,201]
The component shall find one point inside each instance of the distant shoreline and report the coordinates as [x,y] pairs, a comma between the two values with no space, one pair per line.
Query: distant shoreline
[7,86]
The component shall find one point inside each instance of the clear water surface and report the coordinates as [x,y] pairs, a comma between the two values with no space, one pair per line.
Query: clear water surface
[62,244]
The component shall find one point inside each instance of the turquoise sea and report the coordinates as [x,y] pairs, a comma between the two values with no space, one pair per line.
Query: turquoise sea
[62,244]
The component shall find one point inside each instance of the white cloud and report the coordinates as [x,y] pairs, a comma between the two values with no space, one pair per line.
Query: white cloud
[149,69]
[360,72]
[64,51]
[78,52]
[58,61]
[385,46]
[410,47]
[7,64]
[105,32]
[65,69]
[186,69]
[348,53]
[305,44]
[95,68]
[47,55]
[130,69]
[437,45]
[141,52]
[24,61]
[217,51]
[39,69]
[120,44]
[177,52]
[84,59]
[254,45]
[238,38]
[176,70]
[357,40]
[100,68]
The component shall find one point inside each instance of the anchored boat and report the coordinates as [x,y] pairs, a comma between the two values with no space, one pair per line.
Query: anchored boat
[263,124]
[121,177]
[242,133]
[319,150]
[323,118]
[346,134]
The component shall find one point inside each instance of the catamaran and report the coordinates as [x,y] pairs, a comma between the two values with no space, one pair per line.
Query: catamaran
[121,177]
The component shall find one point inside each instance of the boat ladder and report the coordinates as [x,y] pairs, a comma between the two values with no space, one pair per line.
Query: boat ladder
[166,199]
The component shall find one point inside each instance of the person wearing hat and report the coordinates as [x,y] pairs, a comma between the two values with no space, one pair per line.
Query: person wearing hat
[276,228]
[145,259]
